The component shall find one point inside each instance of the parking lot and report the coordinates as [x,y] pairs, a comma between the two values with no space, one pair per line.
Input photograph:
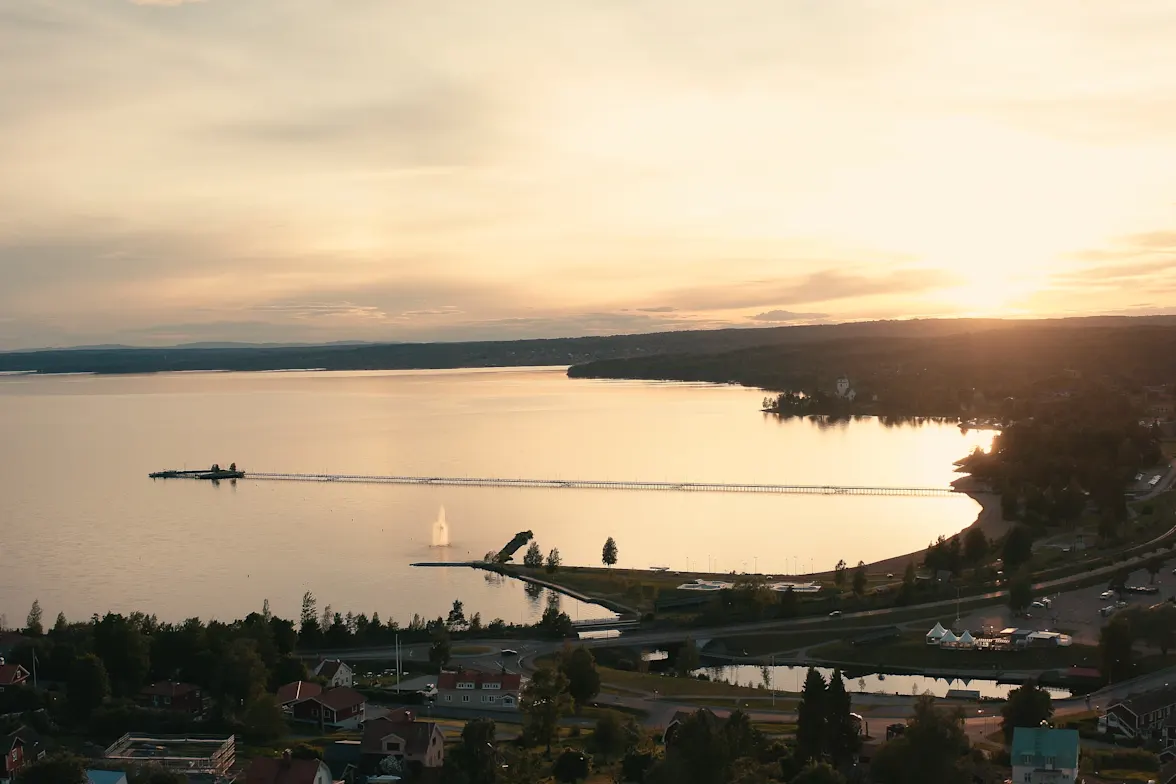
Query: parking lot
[1076,612]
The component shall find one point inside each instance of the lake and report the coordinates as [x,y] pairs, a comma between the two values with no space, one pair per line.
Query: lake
[85,530]
[791,679]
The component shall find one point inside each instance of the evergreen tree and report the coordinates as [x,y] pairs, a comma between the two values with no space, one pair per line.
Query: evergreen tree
[33,625]
[609,555]
[553,561]
[842,736]
[533,558]
[579,666]
[839,573]
[457,619]
[811,725]
[60,626]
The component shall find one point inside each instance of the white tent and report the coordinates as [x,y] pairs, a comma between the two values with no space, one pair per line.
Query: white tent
[948,638]
[936,634]
[966,639]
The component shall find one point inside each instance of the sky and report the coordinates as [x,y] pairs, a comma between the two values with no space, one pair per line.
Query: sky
[316,170]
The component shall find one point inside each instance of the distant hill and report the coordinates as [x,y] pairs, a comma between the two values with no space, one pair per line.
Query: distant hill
[515,353]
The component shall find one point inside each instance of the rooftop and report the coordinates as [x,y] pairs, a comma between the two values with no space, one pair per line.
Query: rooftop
[1140,704]
[416,734]
[1042,743]
[507,681]
[298,690]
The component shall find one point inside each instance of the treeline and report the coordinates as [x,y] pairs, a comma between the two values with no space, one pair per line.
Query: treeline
[104,663]
[1080,451]
[990,371]
[400,356]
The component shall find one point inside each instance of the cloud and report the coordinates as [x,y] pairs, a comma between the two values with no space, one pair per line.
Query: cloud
[824,286]
[660,309]
[1150,255]
[787,316]
[164,2]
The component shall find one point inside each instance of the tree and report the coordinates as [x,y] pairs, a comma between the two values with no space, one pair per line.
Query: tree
[579,667]
[609,735]
[839,574]
[570,766]
[609,555]
[309,631]
[860,579]
[975,545]
[288,669]
[125,651]
[687,660]
[933,748]
[1115,643]
[553,561]
[475,758]
[842,739]
[60,626]
[33,625]
[439,648]
[88,685]
[533,558]
[1020,593]
[57,769]
[1026,706]
[543,702]
[818,773]
[264,720]
[457,619]
[1018,548]
[810,718]
[1153,566]
[1158,626]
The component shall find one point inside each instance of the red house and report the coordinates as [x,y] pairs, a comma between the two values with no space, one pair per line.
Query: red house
[342,708]
[12,675]
[297,692]
[169,695]
[20,749]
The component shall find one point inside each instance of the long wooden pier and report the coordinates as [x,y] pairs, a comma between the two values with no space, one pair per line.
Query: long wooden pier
[593,484]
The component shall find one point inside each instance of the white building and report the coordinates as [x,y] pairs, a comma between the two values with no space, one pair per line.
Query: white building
[1043,755]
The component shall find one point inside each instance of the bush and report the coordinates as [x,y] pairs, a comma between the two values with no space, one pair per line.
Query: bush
[1119,759]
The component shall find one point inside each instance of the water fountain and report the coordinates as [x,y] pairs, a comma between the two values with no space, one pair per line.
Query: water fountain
[441,530]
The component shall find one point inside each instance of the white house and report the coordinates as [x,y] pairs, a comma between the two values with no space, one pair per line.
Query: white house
[1043,755]
[844,389]
[336,672]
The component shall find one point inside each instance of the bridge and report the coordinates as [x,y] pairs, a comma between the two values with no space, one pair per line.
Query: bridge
[587,484]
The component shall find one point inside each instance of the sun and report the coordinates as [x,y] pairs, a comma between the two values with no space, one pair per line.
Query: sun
[990,297]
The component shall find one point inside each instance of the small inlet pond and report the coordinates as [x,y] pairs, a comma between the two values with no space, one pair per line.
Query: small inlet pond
[791,679]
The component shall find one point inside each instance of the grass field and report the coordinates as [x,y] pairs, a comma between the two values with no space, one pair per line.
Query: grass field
[469,650]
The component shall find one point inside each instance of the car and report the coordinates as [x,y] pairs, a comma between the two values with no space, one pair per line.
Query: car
[1038,604]
[890,575]
[835,614]
[508,652]
[1106,594]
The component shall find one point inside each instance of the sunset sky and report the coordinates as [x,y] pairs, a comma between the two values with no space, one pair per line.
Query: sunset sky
[313,170]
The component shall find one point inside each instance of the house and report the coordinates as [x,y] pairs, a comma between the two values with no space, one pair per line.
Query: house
[287,770]
[296,692]
[1148,716]
[475,689]
[12,675]
[20,748]
[105,777]
[172,696]
[340,707]
[1043,755]
[844,390]
[421,744]
[335,673]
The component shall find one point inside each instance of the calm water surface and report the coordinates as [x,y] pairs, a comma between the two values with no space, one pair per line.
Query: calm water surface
[791,679]
[85,530]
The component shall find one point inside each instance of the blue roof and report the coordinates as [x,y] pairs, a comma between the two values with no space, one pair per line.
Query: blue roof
[106,777]
[1043,742]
